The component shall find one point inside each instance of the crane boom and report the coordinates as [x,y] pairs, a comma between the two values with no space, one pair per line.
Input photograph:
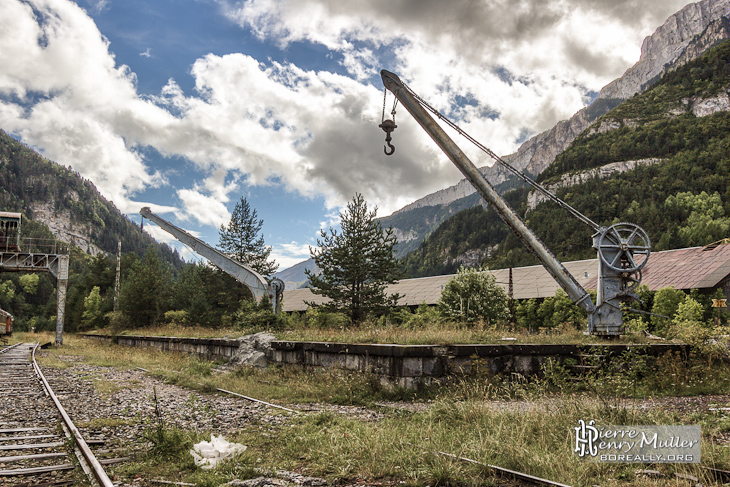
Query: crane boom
[241,272]
[556,269]
[623,248]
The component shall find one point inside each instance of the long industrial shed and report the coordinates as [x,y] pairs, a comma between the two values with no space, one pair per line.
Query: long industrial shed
[703,268]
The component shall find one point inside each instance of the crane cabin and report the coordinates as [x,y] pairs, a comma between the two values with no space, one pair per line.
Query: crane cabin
[9,231]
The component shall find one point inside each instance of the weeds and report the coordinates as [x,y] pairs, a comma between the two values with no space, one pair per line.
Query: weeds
[400,327]
[534,438]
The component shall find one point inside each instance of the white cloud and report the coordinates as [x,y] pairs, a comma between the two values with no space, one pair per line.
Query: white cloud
[526,35]
[98,5]
[520,66]
[146,53]
[207,210]
[287,255]
[161,236]
[332,221]
[55,52]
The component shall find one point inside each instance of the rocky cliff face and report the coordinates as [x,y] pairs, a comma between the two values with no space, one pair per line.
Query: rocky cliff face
[534,198]
[64,227]
[683,37]
[699,107]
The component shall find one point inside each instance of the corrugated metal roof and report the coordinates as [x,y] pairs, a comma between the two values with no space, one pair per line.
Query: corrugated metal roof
[693,268]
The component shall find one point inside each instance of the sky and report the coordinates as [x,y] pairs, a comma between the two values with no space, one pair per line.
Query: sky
[187,106]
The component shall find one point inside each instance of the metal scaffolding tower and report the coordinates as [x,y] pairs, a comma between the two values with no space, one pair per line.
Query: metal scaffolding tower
[33,255]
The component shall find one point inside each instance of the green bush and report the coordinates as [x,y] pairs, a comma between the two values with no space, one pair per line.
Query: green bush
[559,310]
[666,302]
[319,318]
[473,295]
[526,311]
[179,317]
[425,315]
[257,316]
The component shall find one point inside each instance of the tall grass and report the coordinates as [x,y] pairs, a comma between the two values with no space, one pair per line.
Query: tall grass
[537,439]
[434,332]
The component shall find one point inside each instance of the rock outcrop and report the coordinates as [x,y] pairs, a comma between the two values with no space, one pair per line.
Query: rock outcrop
[253,350]
[534,198]
[65,228]
[683,37]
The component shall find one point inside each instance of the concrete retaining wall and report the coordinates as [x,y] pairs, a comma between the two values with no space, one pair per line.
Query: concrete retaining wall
[404,365]
[414,365]
[205,347]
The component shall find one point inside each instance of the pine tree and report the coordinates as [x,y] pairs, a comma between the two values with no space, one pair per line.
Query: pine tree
[357,264]
[145,293]
[241,240]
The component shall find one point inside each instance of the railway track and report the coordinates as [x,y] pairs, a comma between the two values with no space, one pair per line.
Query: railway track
[39,444]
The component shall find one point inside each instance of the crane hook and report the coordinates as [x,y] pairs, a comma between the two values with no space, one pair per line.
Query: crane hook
[388,126]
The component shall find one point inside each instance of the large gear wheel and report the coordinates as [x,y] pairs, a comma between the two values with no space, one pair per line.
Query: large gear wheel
[624,247]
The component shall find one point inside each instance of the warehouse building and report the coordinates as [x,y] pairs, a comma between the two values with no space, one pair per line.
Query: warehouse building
[704,268]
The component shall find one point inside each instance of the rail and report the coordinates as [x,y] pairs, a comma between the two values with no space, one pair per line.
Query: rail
[96,469]
[7,349]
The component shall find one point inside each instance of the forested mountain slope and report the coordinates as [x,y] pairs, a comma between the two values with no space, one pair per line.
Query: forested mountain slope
[680,199]
[70,206]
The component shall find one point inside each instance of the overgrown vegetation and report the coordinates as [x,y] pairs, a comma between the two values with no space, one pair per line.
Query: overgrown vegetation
[513,422]
[474,295]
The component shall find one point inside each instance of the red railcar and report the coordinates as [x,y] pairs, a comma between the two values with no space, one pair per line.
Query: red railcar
[6,323]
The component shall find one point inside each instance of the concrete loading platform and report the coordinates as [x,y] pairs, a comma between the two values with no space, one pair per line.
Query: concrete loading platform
[407,366]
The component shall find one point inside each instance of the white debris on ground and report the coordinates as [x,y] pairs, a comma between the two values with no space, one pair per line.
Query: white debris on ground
[207,454]
[253,350]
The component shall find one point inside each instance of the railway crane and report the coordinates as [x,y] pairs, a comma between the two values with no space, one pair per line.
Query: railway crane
[254,281]
[623,248]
